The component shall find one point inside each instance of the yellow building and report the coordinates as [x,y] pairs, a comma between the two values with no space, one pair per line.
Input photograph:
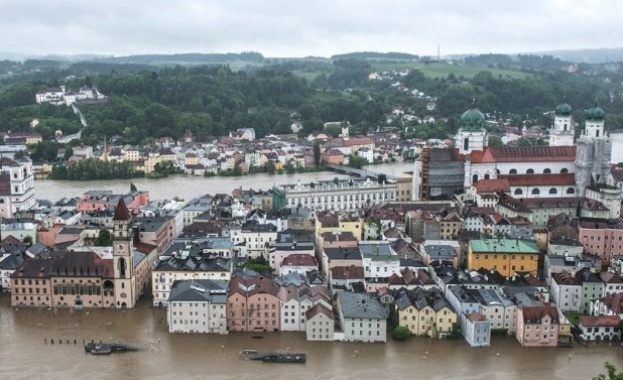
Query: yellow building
[329,221]
[425,312]
[506,256]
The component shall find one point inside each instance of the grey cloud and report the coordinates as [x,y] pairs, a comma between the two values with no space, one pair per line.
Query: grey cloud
[313,27]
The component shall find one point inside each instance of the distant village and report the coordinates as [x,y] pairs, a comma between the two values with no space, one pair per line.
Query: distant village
[524,241]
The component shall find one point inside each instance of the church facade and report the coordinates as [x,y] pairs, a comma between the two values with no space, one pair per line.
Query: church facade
[564,169]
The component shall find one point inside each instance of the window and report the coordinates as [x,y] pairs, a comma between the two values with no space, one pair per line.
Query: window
[512,171]
[571,190]
[530,171]
[564,170]
[518,192]
[536,192]
[553,191]
[547,171]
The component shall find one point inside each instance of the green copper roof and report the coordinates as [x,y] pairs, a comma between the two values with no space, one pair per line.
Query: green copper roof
[503,246]
[563,109]
[472,119]
[595,113]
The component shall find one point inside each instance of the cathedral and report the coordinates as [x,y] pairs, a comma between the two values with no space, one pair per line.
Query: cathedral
[567,168]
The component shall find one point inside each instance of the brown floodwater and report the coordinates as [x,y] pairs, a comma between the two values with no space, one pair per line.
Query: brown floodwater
[24,354]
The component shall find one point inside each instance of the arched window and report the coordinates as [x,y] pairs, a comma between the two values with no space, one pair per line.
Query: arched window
[121,266]
[564,170]
[536,192]
[530,171]
[512,171]
[475,178]
[546,171]
[597,133]
[565,128]
[571,190]
[487,176]
[466,143]
[518,192]
[553,191]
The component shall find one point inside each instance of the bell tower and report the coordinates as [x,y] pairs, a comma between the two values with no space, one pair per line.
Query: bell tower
[123,254]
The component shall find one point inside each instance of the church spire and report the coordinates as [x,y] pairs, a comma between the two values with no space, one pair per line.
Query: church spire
[121,211]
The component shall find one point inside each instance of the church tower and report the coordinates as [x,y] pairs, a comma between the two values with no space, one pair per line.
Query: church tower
[562,132]
[472,134]
[123,254]
[593,152]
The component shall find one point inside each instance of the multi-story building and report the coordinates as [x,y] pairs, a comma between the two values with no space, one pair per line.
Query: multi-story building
[592,288]
[379,259]
[253,303]
[425,312]
[476,329]
[566,292]
[84,279]
[538,326]
[602,238]
[158,231]
[181,265]
[198,306]
[338,223]
[341,194]
[97,200]
[506,256]
[320,323]
[362,317]
[291,242]
[17,186]
[600,328]
[258,239]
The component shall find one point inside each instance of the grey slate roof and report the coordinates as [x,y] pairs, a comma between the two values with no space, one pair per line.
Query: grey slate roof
[361,305]
[211,291]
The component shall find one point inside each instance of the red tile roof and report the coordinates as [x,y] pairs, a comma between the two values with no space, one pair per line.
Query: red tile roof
[534,314]
[347,273]
[299,259]
[602,320]
[563,179]
[525,154]
[492,185]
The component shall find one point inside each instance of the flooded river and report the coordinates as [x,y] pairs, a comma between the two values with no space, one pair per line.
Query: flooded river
[23,353]
[188,187]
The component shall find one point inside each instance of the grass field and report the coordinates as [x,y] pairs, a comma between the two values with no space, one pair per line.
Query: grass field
[442,69]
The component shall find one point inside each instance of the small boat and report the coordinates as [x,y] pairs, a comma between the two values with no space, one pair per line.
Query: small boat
[273,357]
[249,351]
[107,348]
[101,349]
[257,337]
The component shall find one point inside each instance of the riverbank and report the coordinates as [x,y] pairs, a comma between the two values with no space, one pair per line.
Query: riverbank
[185,356]
[188,187]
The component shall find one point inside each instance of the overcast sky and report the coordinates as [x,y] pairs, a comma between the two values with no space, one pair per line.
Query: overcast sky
[283,28]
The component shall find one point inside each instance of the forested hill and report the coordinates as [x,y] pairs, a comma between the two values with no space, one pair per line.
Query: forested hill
[187,58]
[210,100]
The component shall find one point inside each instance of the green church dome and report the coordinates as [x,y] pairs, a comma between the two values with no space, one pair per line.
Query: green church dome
[595,113]
[472,119]
[563,110]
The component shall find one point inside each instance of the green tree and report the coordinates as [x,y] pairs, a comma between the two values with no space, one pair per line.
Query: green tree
[356,161]
[44,151]
[611,373]
[333,130]
[69,151]
[317,154]
[524,142]
[258,264]
[27,240]
[270,167]
[104,238]
[495,141]
[401,333]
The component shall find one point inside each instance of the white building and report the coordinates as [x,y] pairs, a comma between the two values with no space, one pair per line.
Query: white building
[17,186]
[476,329]
[362,317]
[599,328]
[198,306]
[170,269]
[341,194]
[379,259]
[566,292]
[320,323]
[562,132]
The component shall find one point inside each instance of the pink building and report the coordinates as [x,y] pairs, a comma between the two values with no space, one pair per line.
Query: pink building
[601,238]
[95,200]
[537,326]
[253,303]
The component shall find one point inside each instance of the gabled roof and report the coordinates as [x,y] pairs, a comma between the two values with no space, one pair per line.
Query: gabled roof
[600,321]
[525,154]
[492,185]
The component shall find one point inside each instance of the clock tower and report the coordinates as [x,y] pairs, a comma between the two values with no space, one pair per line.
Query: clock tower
[123,254]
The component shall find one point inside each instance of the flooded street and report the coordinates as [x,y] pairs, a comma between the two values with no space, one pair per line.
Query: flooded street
[188,187]
[24,354]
